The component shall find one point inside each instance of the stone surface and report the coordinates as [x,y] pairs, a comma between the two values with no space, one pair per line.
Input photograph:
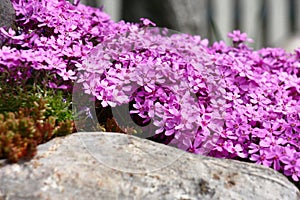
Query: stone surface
[7,13]
[75,167]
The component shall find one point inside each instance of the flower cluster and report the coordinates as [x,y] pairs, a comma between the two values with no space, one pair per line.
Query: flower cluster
[50,39]
[262,121]
[162,75]
[224,101]
[219,100]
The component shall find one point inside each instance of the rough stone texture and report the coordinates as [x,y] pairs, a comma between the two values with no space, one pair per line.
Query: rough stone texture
[189,16]
[7,13]
[65,168]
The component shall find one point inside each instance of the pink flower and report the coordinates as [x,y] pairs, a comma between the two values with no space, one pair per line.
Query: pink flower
[147,22]
[235,149]
[261,158]
[237,36]
[67,75]
[276,154]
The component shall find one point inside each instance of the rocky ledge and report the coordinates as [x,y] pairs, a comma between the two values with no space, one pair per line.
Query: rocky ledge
[116,166]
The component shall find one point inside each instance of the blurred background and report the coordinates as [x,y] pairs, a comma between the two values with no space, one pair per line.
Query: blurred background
[271,23]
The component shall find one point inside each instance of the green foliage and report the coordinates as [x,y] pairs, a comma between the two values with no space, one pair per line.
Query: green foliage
[22,131]
[16,96]
[58,104]
[31,115]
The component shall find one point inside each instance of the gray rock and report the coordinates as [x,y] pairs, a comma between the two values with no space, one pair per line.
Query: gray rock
[7,13]
[115,166]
